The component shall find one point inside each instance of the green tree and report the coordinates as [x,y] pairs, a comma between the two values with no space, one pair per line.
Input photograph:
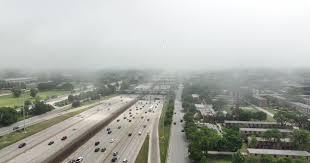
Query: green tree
[71,98]
[16,92]
[253,142]
[301,139]
[33,92]
[7,116]
[238,158]
[273,134]
[203,159]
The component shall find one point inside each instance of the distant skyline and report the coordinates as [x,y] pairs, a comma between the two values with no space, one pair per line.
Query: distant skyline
[166,34]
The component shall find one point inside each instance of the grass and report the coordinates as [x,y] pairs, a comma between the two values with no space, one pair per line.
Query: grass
[11,101]
[144,152]
[31,130]
[218,159]
[164,134]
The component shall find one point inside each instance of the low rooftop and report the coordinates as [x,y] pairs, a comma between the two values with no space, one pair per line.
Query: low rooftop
[265,129]
[251,122]
[278,152]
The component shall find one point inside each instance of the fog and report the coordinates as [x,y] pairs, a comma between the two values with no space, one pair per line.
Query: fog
[186,34]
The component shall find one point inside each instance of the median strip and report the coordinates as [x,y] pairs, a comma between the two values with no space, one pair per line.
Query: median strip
[144,151]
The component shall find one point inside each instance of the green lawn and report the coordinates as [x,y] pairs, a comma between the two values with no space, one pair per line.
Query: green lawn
[164,134]
[218,159]
[11,101]
[16,136]
[144,152]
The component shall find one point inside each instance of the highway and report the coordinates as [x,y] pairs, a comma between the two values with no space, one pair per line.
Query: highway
[178,151]
[127,147]
[37,148]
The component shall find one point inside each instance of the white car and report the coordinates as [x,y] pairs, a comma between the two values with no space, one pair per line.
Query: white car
[112,140]
[139,133]
[79,159]
[125,161]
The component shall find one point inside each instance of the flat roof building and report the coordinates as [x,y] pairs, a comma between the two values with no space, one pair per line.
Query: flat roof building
[254,124]
[278,153]
[260,131]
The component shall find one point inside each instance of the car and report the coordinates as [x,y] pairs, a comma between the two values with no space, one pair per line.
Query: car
[148,119]
[115,153]
[64,138]
[175,113]
[125,117]
[129,120]
[125,161]
[182,130]
[145,112]
[129,134]
[129,112]
[118,120]
[174,123]
[108,129]
[140,133]
[112,140]
[119,127]
[133,117]
[181,120]
[103,149]
[142,117]
[97,143]
[144,126]
[72,161]
[97,149]
[130,115]
[79,159]
[109,132]
[21,145]
[15,128]
[114,159]
[51,142]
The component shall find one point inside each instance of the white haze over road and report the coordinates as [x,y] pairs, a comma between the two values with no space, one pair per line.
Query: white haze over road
[154,33]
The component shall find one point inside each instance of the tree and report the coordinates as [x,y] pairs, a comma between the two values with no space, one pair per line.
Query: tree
[16,92]
[253,142]
[71,98]
[301,139]
[273,134]
[259,115]
[7,116]
[33,92]
[76,103]
[203,160]
[281,117]
[238,158]
[40,107]
[219,104]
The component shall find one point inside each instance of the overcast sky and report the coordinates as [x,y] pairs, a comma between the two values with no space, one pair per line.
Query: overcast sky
[200,34]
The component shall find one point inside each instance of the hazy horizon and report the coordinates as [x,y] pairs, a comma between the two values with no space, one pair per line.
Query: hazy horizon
[183,34]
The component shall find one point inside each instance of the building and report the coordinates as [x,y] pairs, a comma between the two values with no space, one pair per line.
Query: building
[300,107]
[253,124]
[262,143]
[259,131]
[278,153]
[259,101]
[206,111]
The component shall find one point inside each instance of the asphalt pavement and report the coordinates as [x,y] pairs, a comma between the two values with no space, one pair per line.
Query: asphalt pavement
[178,146]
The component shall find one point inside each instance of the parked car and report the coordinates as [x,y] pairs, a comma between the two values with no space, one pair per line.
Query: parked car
[115,153]
[15,128]
[97,149]
[97,143]
[79,159]
[129,134]
[51,142]
[64,138]
[114,159]
[21,145]
[103,149]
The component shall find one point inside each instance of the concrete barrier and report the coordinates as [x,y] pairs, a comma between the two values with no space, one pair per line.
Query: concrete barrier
[76,143]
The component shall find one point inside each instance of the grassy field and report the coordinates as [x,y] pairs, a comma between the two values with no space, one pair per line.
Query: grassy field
[219,159]
[11,101]
[144,152]
[18,135]
[164,134]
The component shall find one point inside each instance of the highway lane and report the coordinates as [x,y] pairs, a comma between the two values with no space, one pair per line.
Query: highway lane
[72,127]
[178,146]
[128,147]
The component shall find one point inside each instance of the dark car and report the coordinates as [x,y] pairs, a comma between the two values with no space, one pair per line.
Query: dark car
[144,126]
[15,128]
[108,129]
[129,134]
[64,138]
[115,153]
[103,149]
[51,142]
[109,132]
[125,117]
[117,120]
[174,123]
[129,120]
[97,149]
[114,159]
[148,119]
[182,130]
[181,120]
[145,112]
[21,145]
[119,127]
[97,143]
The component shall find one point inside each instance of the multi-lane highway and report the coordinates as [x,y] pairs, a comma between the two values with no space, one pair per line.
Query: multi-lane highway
[178,151]
[126,137]
[37,148]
